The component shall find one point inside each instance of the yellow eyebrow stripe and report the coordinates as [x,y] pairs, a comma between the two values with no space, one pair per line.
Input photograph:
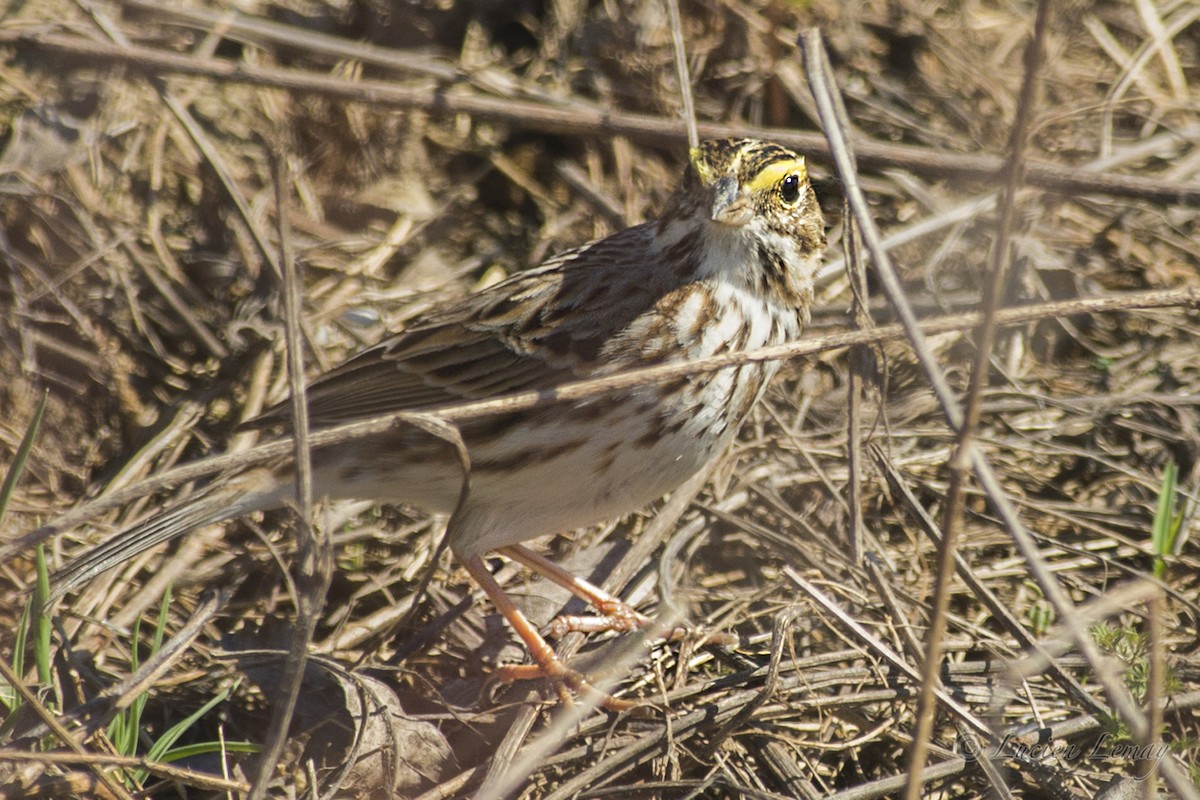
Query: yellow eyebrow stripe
[770,176]
[696,156]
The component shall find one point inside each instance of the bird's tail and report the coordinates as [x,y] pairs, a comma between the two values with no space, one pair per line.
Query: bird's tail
[219,500]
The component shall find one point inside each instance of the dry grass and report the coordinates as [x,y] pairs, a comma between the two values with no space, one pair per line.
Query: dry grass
[136,296]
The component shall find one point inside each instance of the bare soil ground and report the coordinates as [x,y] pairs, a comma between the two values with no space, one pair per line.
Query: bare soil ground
[432,148]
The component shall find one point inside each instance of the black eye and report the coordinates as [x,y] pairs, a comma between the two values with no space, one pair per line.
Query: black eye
[789,190]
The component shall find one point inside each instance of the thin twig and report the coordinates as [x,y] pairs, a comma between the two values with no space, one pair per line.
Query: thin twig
[888,654]
[579,390]
[960,460]
[995,605]
[314,553]
[1118,696]
[682,74]
[34,703]
[1156,646]
[187,777]
[585,120]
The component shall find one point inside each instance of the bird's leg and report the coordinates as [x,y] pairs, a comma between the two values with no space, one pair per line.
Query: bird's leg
[615,613]
[546,663]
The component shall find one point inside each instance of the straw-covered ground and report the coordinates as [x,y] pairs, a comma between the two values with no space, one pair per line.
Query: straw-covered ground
[426,149]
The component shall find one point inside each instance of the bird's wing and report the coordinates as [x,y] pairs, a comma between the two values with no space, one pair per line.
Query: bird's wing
[535,330]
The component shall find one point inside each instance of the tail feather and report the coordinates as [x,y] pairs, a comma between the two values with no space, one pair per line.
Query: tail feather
[211,504]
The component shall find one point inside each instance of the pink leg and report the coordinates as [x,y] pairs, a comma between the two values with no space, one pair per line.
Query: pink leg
[615,614]
[546,663]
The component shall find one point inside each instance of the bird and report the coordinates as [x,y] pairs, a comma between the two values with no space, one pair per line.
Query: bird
[728,265]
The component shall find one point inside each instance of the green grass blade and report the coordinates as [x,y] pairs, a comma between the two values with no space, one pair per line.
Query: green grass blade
[8,696]
[160,626]
[159,750]
[41,620]
[22,456]
[1162,532]
[205,748]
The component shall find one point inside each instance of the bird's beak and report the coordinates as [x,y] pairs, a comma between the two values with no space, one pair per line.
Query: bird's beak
[730,207]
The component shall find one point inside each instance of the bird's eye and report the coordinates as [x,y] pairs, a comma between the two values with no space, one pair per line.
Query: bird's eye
[789,189]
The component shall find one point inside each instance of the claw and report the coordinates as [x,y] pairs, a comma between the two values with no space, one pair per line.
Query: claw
[546,664]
